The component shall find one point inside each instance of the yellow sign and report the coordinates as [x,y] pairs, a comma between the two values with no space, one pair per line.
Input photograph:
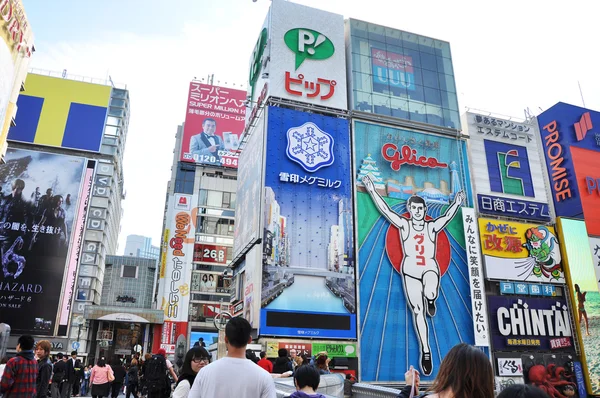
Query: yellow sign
[272,348]
[163,255]
[520,251]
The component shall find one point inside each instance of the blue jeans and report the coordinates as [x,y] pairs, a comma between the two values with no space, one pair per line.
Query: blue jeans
[84,387]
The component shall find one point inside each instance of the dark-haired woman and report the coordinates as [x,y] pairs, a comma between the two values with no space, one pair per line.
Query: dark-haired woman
[522,391]
[100,379]
[465,372]
[195,359]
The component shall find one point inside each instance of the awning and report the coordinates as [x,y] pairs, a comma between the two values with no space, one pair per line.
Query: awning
[123,314]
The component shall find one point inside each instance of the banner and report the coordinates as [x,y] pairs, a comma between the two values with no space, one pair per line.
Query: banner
[214,121]
[582,256]
[414,277]
[40,196]
[521,252]
[308,285]
[336,350]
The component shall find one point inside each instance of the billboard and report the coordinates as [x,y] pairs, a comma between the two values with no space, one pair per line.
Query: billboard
[521,252]
[529,323]
[308,285]
[507,167]
[214,122]
[249,190]
[61,113]
[210,254]
[40,194]
[570,138]
[300,55]
[410,187]
[582,256]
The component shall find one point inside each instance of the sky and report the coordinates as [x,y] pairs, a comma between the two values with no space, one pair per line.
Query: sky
[508,56]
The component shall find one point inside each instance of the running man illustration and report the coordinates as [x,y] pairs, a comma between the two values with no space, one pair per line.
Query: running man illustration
[581,308]
[419,269]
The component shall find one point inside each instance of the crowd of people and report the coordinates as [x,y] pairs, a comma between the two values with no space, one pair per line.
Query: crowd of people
[465,372]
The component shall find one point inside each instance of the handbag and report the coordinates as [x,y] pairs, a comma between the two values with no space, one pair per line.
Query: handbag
[111,375]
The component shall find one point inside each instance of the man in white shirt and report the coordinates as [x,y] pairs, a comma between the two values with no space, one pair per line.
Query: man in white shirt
[234,375]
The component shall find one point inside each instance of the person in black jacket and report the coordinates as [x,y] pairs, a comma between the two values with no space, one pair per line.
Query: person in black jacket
[282,363]
[42,351]
[67,388]
[119,371]
[132,379]
[60,373]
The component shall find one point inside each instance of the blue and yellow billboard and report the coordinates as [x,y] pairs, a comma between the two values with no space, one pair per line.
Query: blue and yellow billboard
[61,113]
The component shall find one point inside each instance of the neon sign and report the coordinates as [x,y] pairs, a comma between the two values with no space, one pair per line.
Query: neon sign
[407,155]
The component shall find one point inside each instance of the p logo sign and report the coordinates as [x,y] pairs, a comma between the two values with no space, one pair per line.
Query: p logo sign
[307,43]
[508,168]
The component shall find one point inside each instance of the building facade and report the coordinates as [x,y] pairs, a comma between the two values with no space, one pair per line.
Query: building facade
[141,246]
[16,48]
[51,124]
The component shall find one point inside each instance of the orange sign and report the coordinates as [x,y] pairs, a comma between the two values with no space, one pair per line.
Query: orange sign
[587,173]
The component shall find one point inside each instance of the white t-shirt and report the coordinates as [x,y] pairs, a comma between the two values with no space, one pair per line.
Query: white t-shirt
[233,377]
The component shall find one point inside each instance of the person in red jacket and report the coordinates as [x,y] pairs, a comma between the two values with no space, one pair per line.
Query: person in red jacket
[20,374]
[265,363]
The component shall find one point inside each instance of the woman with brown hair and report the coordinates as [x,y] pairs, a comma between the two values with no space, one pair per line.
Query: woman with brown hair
[465,372]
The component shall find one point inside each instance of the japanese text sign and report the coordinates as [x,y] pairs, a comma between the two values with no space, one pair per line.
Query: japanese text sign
[520,252]
[510,367]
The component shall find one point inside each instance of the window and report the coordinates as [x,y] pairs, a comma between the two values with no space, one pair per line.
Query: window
[129,271]
[215,226]
[220,199]
[184,179]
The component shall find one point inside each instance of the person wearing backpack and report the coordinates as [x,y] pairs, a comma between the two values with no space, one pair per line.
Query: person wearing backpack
[155,375]
[132,379]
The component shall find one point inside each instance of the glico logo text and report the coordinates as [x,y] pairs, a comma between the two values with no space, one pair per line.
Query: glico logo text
[182,228]
[554,152]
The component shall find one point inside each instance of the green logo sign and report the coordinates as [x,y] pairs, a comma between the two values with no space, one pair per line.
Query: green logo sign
[335,350]
[307,43]
[257,54]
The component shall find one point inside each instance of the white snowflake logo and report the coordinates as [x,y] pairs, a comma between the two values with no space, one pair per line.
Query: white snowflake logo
[310,147]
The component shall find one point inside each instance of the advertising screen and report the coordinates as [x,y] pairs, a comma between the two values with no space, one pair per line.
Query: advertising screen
[507,167]
[40,197]
[308,264]
[61,113]
[203,339]
[520,252]
[214,122]
[249,190]
[408,183]
[562,128]
[581,265]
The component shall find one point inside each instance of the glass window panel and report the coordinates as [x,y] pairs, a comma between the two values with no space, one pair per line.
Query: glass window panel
[451,118]
[430,79]
[409,40]
[399,107]
[362,82]
[226,199]
[376,33]
[446,66]
[111,130]
[447,83]
[381,104]
[363,101]
[418,111]
[232,204]
[428,62]
[114,121]
[202,194]
[361,63]
[393,37]
[449,100]
[434,115]
[445,49]
[358,28]
[426,45]
[417,94]
[394,49]
[188,187]
[432,96]
[215,199]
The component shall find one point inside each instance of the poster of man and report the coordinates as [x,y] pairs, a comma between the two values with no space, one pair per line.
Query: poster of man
[35,235]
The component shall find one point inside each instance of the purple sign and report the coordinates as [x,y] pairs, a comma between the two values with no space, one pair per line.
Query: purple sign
[527,323]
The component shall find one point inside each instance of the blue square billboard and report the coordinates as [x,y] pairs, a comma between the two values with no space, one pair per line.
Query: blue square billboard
[413,275]
[308,287]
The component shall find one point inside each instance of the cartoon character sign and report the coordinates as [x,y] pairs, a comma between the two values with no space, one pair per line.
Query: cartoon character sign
[543,248]
[419,267]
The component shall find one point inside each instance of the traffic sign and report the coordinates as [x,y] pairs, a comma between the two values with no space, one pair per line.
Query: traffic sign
[75,345]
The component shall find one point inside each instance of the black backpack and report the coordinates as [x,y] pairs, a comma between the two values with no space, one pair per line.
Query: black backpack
[155,373]
[132,375]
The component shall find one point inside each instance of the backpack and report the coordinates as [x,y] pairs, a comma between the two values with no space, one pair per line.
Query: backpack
[156,373]
[132,375]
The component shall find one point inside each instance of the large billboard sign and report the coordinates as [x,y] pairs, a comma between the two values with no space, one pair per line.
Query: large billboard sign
[527,323]
[300,54]
[61,113]
[507,167]
[571,143]
[521,252]
[308,285]
[413,266]
[582,263]
[214,122]
[40,194]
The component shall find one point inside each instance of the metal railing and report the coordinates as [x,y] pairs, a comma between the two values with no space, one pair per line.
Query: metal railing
[332,386]
[86,79]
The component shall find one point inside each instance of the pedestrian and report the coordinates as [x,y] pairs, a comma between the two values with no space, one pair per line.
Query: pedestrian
[322,364]
[78,376]
[132,378]
[348,383]
[195,359]
[306,380]
[465,372]
[58,375]
[293,356]
[282,363]
[155,375]
[100,379]
[20,373]
[143,384]
[265,363]
[522,391]
[42,352]
[85,382]
[250,355]
[234,375]
[67,388]
[119,373]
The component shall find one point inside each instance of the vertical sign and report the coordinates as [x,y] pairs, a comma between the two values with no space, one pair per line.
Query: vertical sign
[480,316]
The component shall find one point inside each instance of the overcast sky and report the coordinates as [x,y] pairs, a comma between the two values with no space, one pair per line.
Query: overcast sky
[508,55]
